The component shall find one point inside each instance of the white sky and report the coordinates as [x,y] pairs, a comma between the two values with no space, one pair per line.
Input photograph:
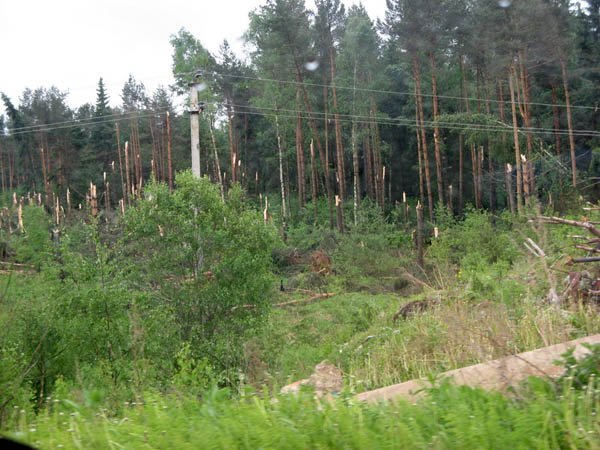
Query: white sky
[70,44]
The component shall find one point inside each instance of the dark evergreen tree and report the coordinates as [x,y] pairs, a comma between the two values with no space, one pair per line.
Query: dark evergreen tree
[102,139]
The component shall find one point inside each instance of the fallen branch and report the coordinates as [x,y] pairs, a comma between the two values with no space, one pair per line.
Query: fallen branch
[534,248]
[292,302]
[14,264]
[305,300]
[586,259]
[558,220]
[588,249]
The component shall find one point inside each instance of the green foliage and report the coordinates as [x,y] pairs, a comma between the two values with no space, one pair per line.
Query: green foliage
[209,259]
[179,273]
[370,249]
[580,373]
[476,241]
[35,246]
[481,247]
[193,376]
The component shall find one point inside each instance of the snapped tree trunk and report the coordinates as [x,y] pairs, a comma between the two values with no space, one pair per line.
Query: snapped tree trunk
[563,67]
[436,132]
[419,104]
[339,143]
[513,108]
[300,155]
[281,179]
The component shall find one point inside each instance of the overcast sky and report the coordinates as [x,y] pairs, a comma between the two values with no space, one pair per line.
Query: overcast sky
[70,44]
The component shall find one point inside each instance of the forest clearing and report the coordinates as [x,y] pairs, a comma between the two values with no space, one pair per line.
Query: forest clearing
[268,252]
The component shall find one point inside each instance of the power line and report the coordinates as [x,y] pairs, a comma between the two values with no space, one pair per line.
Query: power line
[83,121]
[76,123]
[379,91]
[411,122]
[292,113]
[429,125]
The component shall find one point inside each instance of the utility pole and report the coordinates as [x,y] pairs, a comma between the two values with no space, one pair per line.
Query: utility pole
[195,125]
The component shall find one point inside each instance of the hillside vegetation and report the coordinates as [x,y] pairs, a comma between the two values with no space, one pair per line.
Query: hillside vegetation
[189,312]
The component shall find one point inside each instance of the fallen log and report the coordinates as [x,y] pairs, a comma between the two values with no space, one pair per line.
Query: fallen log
[586,259]
[305,300]
[499,374]
[292,302]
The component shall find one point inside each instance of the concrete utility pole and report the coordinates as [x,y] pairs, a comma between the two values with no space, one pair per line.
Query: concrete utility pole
[195,126]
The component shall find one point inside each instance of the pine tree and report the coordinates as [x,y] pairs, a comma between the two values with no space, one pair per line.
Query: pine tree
[102,139]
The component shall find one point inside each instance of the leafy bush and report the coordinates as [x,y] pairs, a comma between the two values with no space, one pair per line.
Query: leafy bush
[209,259]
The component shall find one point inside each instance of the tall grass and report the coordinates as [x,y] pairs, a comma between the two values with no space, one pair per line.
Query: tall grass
[450,417]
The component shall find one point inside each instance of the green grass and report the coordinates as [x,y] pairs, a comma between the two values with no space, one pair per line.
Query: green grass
[355,331]
[449,418]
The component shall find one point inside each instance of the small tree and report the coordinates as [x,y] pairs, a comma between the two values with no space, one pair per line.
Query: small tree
[210,260]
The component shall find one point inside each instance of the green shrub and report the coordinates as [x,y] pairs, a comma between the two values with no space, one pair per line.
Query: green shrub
[209,259]
[35,246]
[580,373]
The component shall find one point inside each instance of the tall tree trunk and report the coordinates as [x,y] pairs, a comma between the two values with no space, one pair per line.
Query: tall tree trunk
[355,167]
[154,160]
[377,162]
[556,121]
[11,169]
[368,165]
[480,176]
[327,158]
[217,162]
[461,177]
[513,108]
[339,143]
[563,67]
[510,195]
[475,171]
[491,183]
[169,152]
[2,167]
[48,199]
[525,106]
[419,101]
[233,153]
[127,174]
[461,156]
[436,131]
[314,130]
[300,155]
[419,151]
[123,187]
[355,175]
[313,181]
[463,77]
[501,101]
[281,179]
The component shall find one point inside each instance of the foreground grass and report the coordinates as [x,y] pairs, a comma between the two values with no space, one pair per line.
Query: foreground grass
[450,417]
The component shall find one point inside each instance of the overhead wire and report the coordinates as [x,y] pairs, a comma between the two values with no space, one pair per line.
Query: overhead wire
[92,119]
[77,123]
[304,114]
[256,110]
[377,91]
